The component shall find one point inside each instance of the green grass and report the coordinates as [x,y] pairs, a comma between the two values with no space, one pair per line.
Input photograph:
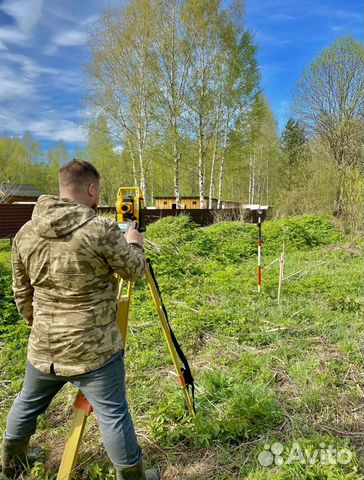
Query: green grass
[264,372]
[5,254]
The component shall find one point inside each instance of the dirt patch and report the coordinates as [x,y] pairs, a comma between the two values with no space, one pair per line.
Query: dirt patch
[344,248]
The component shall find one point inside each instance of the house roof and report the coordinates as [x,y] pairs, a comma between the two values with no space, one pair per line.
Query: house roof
[182,198]
[19,190]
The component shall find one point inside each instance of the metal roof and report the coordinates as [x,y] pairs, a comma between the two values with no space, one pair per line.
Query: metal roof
[19,190]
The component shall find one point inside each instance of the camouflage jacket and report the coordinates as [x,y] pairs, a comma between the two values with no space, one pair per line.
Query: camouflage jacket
[63,261]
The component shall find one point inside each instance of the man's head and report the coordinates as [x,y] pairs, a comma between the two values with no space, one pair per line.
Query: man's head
[80,182]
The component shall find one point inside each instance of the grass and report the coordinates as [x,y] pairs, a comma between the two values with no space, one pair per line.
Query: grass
[265,373]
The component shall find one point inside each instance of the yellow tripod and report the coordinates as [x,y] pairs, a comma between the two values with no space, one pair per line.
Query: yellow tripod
[83,409]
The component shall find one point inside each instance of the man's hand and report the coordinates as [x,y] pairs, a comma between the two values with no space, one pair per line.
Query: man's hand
[133,236]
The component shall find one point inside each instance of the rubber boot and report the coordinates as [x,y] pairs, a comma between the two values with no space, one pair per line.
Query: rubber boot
[16,457]
[136,472]
[13,456]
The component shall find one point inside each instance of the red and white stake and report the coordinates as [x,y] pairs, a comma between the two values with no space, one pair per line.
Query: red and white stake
[259,255]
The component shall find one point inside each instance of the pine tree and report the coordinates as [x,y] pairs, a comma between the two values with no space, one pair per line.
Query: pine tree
[293,141]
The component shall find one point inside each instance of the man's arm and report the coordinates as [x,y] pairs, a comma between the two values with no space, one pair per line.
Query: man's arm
[23,291]
[126,259]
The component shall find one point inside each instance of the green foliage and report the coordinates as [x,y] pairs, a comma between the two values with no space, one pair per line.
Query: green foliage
[329,102]
[293,143]
[8,310]
[233,242]
[300,233]
[22,161]
[40,471]
[264,372]
[228,410]
[114,170]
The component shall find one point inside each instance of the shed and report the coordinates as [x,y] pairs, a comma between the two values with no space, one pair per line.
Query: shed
[12,193]
[187,203]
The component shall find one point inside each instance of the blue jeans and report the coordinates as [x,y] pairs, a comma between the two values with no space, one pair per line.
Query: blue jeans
[104,388]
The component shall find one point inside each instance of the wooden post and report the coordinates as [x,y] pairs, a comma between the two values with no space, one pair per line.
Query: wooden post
[281,273]
[259,252]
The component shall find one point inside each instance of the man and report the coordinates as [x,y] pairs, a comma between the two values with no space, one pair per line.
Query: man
[63,261]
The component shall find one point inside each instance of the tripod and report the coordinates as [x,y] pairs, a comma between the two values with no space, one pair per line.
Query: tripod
[82,407]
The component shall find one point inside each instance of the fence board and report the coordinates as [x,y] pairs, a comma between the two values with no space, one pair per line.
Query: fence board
[13,217]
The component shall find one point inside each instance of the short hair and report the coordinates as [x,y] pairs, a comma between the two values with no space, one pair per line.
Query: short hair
[77,175]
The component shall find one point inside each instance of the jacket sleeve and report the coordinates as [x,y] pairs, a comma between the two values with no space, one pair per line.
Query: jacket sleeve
[126,259]
[23,291]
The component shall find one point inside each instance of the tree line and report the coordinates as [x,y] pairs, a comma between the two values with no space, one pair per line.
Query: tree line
[178,84]
[173,87]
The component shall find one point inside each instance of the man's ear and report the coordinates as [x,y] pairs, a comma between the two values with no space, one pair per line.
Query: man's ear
[91,189]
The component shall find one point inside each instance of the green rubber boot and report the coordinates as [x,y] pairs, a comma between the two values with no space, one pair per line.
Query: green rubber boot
[16,457]
[13,456]
[137,472]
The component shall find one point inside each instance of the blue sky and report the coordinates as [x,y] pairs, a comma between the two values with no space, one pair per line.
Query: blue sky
[290,33]
[43,45]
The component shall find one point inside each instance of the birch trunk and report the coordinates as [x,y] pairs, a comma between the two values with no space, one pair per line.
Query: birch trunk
[141,149]
[222,171]
[201,165]
[176,160]
[143,184]
[267,180]
[252,178]
[213,160]
[212,177]
[133,162]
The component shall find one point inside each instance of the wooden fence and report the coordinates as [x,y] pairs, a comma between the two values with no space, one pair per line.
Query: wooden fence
[13,217]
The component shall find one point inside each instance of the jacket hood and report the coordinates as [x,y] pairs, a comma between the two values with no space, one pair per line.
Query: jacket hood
[55,217]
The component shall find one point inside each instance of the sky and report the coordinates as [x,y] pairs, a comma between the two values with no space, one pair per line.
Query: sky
[43,51]
[290,34]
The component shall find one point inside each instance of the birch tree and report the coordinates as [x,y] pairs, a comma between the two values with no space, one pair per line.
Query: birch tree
[203,24]
[170,80]
[119,75]
[240,89]
[329,100]
[262,150]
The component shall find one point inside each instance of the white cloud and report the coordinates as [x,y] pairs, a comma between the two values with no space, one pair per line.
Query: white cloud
[38,94]
[264,38]
[17,76]
[90,20]
[56,129]
[347,15]
[13,35]
[339,20]
[274,69]
[14,87]
[53,127]
[70,38]
[29,68]
[335,28]
[281,17]
[25,101]
[25,12]
[262,6]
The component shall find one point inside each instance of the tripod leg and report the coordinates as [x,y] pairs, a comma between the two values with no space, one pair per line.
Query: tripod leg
[123,311]
[82,407]
[69,459]
[167,335]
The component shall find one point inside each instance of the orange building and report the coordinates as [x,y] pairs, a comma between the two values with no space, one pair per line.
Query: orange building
[187,203]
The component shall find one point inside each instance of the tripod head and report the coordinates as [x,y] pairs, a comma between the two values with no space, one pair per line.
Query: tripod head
[130,209]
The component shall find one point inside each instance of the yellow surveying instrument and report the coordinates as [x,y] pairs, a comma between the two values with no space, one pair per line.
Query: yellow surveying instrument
[129,210]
